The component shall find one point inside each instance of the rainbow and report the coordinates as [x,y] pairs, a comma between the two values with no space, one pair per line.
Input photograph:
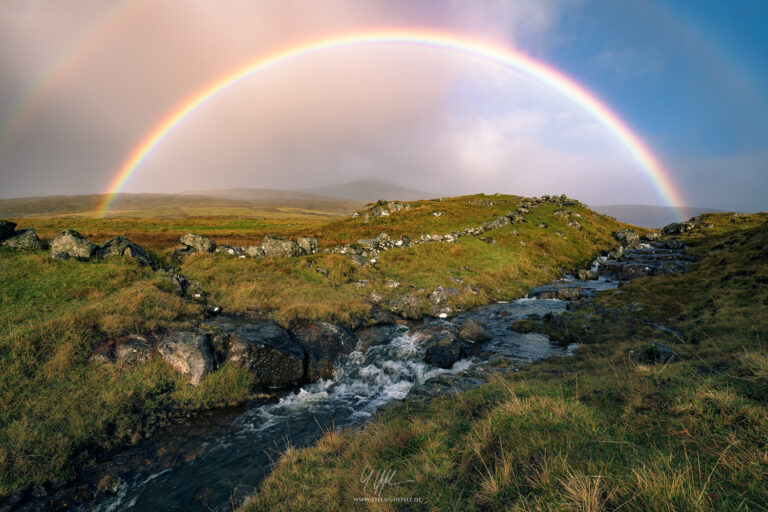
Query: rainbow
[502,55]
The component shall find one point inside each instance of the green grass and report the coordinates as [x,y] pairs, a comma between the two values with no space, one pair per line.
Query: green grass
[58,409]
[596,431]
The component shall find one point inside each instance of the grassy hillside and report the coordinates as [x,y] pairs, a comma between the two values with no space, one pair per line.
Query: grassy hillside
[58,409]
[602,430]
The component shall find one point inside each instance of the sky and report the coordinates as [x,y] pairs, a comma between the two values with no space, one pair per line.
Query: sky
[83,81]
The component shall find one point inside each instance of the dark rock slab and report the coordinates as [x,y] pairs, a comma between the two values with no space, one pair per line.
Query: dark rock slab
[324,343]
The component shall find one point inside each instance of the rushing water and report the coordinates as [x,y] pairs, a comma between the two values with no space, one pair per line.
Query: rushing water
[215,461]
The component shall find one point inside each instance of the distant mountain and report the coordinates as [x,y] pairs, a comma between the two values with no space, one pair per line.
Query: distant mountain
[368,191]
[650,216]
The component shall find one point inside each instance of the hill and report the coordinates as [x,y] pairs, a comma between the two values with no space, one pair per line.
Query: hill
[368,191]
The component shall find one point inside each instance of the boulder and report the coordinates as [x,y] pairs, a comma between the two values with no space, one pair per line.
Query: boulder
[74,244]
[443,352]
[279,247]
[633,271]
[324,343]
[189,353]
[628,238]
[23,240]
[358,260]
[586,274]
[569,293]
[182,253]
[308,245]
[370,337]
[134,349]
[406,306]
[652,236]
[198,243]
[7,229]
[121,246]
[262,347]
[677,228]
[441,295]
[473,331]
[60,256]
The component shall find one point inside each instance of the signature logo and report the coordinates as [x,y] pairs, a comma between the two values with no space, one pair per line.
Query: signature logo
[376,480]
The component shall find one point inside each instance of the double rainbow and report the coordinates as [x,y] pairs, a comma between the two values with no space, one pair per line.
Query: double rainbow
[501,55]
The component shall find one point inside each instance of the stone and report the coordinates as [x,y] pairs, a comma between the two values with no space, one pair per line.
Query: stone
[188,353]
[7,229]
[132,350]
[262,347]
[372,337]
[569,293]
[586,274]
[228,250]
[636,307]
[322,271]
[74,244]
[633,271]
[391,283]
[677,228]
[308,245]
[23,240]
[324,343]
[121,246]
[182,253]
[358,260]
[672,244]
[652,236]
[628,238]
[198,243]
[406,306]
[575,225]
[60,256]
[279,247]
[473,331]
[444,352]
[254,251]
[441,295]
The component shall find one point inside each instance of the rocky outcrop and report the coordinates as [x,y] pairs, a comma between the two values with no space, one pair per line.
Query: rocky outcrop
[75,245]
[406,306]
[198,243]
[121,246]
[678,228]
[280,247]
[262,347]
[628,238]
[441,295]
[372,338]
[324,343]
[229,250]
[443,352]
[473,331]
[23,240]
[254,251]
[189,353]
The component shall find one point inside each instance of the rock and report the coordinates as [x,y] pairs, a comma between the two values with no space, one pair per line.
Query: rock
[308,245]
[372,338]
[633,271]
[60,256]
[74,244]
[121,246]
[358,260]
[391,283]
[652,236]
[677,228]
[543,292]
[441,295]
[324,343]
[198,243]
[444,352]
[181,254]
[279,247]
[515,217]
[379,316]
[189,353]
[616,253]
[262,347]
[575,225]
[497,222]
[23,240]
[109,484]
[569,293]
[672,244]
[322,271]
[586,275]
[228,250]
[473,331]
[542,225]
[635,307]
[628,238]
[406,306]
[254,251]
[7,229]
[658,353]
[135,349]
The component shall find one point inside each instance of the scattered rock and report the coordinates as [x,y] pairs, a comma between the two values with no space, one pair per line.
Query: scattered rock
[406,306]
[444,352]
[441,295]
[569,293]
[74,244]
[198,243]
[652,236]
[324,343]
[121,246]
[636,307]
[254,251]
[189,353]
[391,283]
[586,274]
[23,240]
[628,238]
[7,229]
[473,331]
[677,228]
[228,250]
